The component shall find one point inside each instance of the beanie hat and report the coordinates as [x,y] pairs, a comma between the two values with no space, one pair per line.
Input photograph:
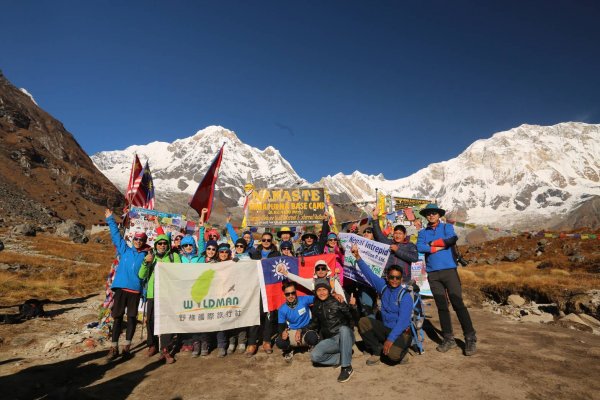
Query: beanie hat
[331,235]
[241,241]
[322,283]
[224,246]
[141,235]
[286,244]
[212,243]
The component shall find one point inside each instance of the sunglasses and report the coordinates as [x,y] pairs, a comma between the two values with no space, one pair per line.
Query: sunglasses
[138,240]
[212,236]
[290,293]
[368,232]
[177,240]
[187,245]
[321,268]
[267,240]
[223,251]
[211,249]
[240,246]
[161,243]
[335,240]
[394,277]
[286,248]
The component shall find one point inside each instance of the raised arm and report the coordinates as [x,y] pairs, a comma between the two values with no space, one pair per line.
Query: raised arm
[232,233]
[115,235]
[377,234]
[377,281]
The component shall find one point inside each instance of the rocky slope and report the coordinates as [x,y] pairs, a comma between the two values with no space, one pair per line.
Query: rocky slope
[45,176]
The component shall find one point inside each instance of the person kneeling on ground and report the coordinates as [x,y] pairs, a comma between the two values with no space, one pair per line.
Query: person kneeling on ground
[390,338]
[334,321]
[293,318]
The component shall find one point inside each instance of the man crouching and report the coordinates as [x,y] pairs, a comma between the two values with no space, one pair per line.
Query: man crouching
[333,319]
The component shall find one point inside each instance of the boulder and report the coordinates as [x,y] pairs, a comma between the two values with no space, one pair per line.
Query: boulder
[572,321]
[24,230]
[70,229]
[1,245]
[51,345]
[511,256]
[577,258]
[515,300]
[591,321]
[543,318]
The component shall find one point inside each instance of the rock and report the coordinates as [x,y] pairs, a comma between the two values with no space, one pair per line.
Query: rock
[22,340]
[71,229]
[577,258]
[571,321]
[543,318]
[81,239]
[591,321]
[89,343]
[536,311]
[545,265]
[515,300]
[585,303]
[1,245]
[511,256]
[491,261]
[52,344]
[24,230]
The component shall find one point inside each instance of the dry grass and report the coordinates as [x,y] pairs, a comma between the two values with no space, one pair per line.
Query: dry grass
[54,268]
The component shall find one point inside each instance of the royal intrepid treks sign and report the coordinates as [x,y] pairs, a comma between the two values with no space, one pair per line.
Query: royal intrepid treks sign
[206,297]
[279,207]
[400,203]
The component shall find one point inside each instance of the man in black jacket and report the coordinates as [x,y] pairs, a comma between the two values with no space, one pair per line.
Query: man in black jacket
[402,252]
[334,321]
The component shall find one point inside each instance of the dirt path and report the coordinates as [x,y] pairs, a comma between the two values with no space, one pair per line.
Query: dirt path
[514,361]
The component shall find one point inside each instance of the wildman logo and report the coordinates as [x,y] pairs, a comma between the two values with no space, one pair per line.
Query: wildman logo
[200,290]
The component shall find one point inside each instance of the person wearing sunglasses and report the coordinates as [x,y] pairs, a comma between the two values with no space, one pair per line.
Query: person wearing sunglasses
[402,252]
[389,338]
[246,235]
[335,323]
[312,245]
[240,250]
[189,250]
[322,271]
[210,254]
[436,241]
[286,248]
[368,233]
[293,316]
[266,249]
[162,253]
[285,234]
[126,286]
[332,247]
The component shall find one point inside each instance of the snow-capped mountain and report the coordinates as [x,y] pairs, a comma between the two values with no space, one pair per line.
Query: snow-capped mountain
[178,167]
[522,177]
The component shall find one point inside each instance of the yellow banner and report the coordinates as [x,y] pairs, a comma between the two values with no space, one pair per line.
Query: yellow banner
[279,207]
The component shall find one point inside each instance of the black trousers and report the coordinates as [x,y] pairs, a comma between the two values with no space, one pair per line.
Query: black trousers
[447,280]
[374,333]
[263,331]
[151,340]
[124,301]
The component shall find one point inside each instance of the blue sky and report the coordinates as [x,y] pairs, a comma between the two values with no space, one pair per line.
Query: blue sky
[336,86]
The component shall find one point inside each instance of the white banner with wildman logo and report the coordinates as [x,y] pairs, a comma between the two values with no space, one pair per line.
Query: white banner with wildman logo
[210,297]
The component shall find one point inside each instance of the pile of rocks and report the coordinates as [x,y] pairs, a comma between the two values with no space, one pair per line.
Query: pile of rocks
[518,309]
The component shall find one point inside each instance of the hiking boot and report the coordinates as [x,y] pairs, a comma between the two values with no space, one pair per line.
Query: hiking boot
[373,360]
[470,346]
[195,349]
[231,348]
[447,344]
[126,352]
[251,350]
[222,352]
[113,353]
[345,374]
[204,349]
[267,348]
[151,351]
[167,356]
[241,349]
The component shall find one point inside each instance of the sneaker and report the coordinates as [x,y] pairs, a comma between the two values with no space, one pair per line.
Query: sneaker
[470,346]
[345,374]
[446,345]
[241,349]
[195,349]
[373,360]
[251,350]
[267,348]
[167,356]
[288,356]
[151,351]
[204,349]
[231,348]
[222,352]
[113,353]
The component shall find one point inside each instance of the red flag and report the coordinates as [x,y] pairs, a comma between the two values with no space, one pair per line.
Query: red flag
[203,198]
[135,178]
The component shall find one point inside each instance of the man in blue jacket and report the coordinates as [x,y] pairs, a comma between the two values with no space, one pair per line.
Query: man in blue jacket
[390,338]
[127,285]
[436,241]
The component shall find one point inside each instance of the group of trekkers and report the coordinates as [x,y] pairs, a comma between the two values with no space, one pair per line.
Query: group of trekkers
[323,322]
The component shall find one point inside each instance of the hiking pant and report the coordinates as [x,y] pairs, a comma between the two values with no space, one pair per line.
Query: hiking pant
[374,333]
[267,320]
[286,344]
[335,350]
[151,340]
[448,280]
[239,336]
[124,301]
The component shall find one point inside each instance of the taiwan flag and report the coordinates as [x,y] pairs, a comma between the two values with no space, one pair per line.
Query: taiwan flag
[270,279]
